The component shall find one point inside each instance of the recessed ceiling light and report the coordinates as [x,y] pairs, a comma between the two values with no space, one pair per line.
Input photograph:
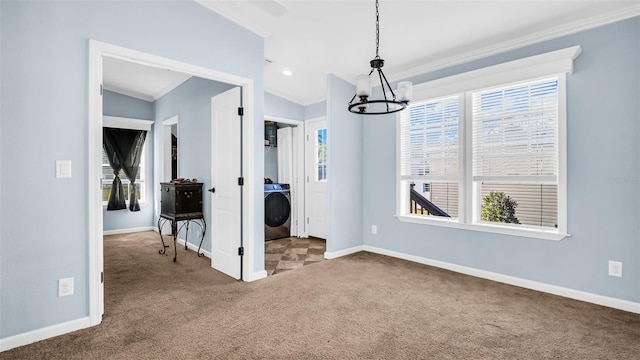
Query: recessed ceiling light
[287,72]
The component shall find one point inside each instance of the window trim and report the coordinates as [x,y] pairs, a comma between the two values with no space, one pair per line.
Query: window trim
[132,124]
[555,63]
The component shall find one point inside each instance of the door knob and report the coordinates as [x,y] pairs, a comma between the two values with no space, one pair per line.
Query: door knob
[212,190]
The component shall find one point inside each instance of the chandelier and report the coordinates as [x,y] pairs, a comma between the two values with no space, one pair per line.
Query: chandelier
[391,101]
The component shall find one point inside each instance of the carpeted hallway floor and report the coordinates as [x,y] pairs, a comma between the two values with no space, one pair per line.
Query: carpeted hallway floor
[362,306]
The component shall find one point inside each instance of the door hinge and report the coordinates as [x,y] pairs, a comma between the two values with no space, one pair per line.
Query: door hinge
[240,181]
[102,277]
[100,89]
[307,137]
[241,251]
[307,220]
[240,111]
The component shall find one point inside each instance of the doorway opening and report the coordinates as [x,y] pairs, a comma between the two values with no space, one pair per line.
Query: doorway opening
[287,242]
[97,52]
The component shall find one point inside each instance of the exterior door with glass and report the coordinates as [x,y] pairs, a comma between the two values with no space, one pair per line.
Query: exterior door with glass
[316,153]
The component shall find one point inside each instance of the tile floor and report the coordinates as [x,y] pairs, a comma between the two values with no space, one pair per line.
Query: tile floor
[290,253]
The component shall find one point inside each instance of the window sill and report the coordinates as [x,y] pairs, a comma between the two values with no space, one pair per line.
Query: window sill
[142,204]
[488,228]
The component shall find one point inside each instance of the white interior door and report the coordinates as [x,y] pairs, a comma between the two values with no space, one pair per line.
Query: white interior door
[285,159]
[316,160]
[226,210]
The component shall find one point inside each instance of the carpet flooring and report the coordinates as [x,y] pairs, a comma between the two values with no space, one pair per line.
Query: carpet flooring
[361,306]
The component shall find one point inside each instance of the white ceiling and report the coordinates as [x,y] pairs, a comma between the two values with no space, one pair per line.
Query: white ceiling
[140,81]
[313,38]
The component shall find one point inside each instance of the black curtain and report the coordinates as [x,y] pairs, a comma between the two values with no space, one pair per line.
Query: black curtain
[123,148]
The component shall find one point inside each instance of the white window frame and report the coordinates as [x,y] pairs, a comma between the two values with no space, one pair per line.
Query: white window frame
[556,63]
[133,124]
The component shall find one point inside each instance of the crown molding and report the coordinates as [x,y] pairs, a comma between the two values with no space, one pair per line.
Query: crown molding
[146,97]
[287,97]
[128,92]
[537,37]
[170,86]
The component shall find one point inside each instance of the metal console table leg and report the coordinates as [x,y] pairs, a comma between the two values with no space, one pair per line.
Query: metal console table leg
[175,230]
[161,222]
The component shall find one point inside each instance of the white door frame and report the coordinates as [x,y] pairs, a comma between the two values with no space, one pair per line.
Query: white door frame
[298,216]
[98,50]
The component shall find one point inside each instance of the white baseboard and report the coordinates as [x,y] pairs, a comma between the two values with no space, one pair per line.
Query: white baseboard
[336,254]
[193,247]
[132,230]
[255,276]
[620,304]
[44,333]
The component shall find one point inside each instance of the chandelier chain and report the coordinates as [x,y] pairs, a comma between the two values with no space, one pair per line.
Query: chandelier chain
[365,103]
[377,30]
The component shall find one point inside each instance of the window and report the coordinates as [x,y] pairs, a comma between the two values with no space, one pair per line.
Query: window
[515,153]
[107,171]
[321,154]
[430,155]
[107,178]
[486,150]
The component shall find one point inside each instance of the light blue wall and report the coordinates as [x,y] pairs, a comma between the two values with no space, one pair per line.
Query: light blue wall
[344,168]
[315,110]
[114,104]
[277,106]
[603,172]
[44,99]
[271,163]
[191,101]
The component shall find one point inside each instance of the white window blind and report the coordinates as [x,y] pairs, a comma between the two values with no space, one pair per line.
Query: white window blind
[515,132]
[429,139]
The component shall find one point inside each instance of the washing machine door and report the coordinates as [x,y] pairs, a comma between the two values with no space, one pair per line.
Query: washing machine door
[276,209]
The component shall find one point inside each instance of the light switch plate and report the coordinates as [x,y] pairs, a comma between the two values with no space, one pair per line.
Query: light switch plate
[63,169]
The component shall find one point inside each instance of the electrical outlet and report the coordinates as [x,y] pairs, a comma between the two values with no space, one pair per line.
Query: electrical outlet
[65,287]
[374,229]
[615,268]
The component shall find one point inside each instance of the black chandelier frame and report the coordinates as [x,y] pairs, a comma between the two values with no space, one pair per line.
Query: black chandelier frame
[392,105]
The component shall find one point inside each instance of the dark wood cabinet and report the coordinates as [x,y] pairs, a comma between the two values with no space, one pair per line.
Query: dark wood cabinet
[181,201]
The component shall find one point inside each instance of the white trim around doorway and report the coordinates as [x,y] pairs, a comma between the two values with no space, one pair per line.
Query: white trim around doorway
[98,50]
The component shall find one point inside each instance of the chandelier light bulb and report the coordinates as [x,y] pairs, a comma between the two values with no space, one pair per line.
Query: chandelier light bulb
[404,91]
[363,83]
